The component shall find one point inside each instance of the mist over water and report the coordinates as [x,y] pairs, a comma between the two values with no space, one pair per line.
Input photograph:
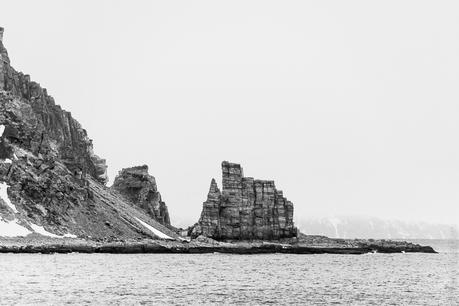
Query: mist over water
[371,279]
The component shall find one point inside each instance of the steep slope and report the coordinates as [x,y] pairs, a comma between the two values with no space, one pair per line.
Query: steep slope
[51,182]
[245,209]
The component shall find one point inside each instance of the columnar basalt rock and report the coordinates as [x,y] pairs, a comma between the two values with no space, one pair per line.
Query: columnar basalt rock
[246,209]
[209,223]
[138,187]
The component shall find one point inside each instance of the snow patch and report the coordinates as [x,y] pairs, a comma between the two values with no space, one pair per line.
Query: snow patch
[2,129]
[12,229]
[154,230]
[70,236]
[334,222]
[41,230]
[4,195]
[7,161]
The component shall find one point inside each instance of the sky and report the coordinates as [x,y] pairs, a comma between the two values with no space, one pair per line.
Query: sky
[352,107]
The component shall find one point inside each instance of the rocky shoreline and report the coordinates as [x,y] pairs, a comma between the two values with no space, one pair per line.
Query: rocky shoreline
[306,245]
[53,190]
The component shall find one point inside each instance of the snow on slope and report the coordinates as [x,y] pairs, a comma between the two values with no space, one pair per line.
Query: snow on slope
[41,230]
[12,229]
[154,230]
[4,195]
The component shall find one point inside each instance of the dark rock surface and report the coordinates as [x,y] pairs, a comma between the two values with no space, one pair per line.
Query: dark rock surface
[321,245]
[49,173]
[245,209]
[138,187]
[42,127]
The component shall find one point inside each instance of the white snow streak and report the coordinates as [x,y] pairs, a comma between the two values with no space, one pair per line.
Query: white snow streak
[154,230]
[12,229]
[41,230]
[4,195]
[2,129]
[334,222]
[70,236]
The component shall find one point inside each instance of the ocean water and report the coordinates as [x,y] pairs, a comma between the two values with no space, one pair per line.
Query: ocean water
[180,279]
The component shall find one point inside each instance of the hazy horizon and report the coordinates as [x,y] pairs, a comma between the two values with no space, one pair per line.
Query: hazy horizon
[350,107]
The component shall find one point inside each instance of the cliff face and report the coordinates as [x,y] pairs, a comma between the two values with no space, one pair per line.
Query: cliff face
[51,182]
[57,132]
[138,187]
[245,209]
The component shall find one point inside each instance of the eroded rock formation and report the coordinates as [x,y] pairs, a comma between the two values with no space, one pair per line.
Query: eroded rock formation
[245,209]
[137,186]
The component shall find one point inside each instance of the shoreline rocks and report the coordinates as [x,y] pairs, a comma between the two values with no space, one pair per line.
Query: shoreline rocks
[47,246]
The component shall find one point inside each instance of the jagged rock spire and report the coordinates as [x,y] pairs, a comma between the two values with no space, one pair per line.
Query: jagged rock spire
[214,193]
[4,58]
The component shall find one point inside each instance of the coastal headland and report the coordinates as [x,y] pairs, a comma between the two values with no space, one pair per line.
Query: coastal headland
[54,197]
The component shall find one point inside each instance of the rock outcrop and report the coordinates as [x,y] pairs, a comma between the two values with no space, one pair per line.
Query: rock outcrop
[55,132]
[138,187]
[51,182]
[245,209]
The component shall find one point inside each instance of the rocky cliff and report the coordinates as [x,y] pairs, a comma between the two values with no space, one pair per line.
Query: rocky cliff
[245,209]
[51,182]
[57,132]
[138,187]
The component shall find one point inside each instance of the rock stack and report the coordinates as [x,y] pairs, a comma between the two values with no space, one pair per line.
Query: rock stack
[138,187]
[245,209]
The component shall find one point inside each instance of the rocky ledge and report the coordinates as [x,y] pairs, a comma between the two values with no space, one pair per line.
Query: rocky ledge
[201,245]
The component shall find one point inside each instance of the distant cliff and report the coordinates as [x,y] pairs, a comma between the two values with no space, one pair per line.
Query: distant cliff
[137,186]
[245,209]
[373,227]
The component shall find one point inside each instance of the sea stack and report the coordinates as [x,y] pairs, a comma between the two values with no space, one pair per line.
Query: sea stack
[139,187]
[245,209]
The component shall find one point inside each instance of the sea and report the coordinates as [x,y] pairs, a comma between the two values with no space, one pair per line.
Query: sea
[223,279]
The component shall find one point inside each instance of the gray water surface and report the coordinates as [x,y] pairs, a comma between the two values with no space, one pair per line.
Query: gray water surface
[371,279]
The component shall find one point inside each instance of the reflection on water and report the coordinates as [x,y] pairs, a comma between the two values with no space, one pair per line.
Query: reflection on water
[372,279]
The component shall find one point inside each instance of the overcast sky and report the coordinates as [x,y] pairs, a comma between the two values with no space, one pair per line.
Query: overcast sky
[352,107]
